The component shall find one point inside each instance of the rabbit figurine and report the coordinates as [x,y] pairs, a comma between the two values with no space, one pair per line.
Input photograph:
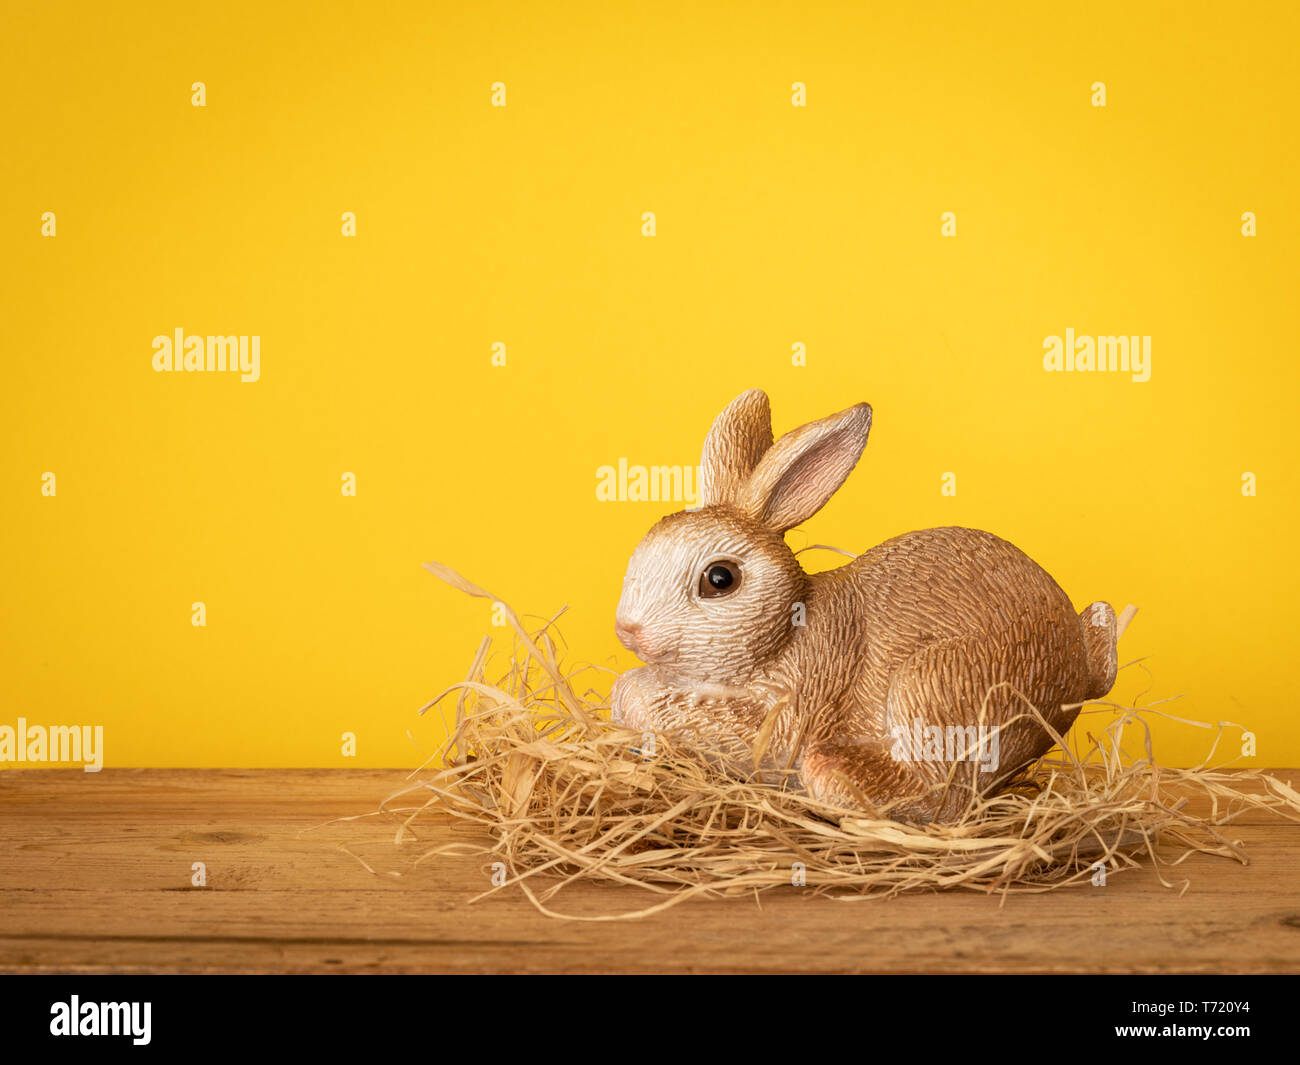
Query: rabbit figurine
[901,680]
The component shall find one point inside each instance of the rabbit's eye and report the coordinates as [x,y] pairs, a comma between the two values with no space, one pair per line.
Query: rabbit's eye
[719,578]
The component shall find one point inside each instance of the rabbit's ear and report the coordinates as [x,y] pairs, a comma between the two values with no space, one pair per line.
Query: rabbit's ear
[740,436]
[803,469]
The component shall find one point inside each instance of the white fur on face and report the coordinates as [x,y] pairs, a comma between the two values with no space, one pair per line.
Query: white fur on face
[666,621]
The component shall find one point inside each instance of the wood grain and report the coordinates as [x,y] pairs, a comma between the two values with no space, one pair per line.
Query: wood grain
[95,877]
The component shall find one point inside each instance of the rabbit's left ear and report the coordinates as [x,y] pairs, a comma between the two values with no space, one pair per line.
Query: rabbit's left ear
[802,470]
[739,437]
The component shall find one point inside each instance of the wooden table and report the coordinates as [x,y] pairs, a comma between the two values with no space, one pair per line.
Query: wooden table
[96,869]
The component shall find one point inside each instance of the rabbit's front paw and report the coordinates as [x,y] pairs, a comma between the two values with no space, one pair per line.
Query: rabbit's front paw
[631,699]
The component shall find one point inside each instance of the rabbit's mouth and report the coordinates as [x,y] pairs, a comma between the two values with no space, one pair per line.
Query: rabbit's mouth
[659,659]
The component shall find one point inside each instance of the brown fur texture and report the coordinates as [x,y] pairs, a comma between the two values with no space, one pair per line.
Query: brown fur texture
[903,678]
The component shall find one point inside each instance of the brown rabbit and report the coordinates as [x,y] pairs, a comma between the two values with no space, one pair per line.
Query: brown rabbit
[902,676]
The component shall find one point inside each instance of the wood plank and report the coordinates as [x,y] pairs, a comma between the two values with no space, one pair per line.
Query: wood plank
[95,877]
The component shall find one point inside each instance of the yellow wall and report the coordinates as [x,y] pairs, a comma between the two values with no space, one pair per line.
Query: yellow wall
[522,224]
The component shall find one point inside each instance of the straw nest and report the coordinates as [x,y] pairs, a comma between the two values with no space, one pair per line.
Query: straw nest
[558,795]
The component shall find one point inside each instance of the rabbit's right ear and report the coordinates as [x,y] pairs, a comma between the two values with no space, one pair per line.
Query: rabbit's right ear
[740,436]
[803,469]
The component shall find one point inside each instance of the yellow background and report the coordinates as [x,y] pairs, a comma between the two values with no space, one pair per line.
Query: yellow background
[477,224]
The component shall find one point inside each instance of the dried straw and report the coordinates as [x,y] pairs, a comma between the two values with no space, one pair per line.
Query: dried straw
[560,795]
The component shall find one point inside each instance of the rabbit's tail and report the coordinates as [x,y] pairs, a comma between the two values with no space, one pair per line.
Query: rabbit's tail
[1101,629]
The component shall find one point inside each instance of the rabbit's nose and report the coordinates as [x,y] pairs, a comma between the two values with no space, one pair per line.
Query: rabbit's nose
[627,632]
